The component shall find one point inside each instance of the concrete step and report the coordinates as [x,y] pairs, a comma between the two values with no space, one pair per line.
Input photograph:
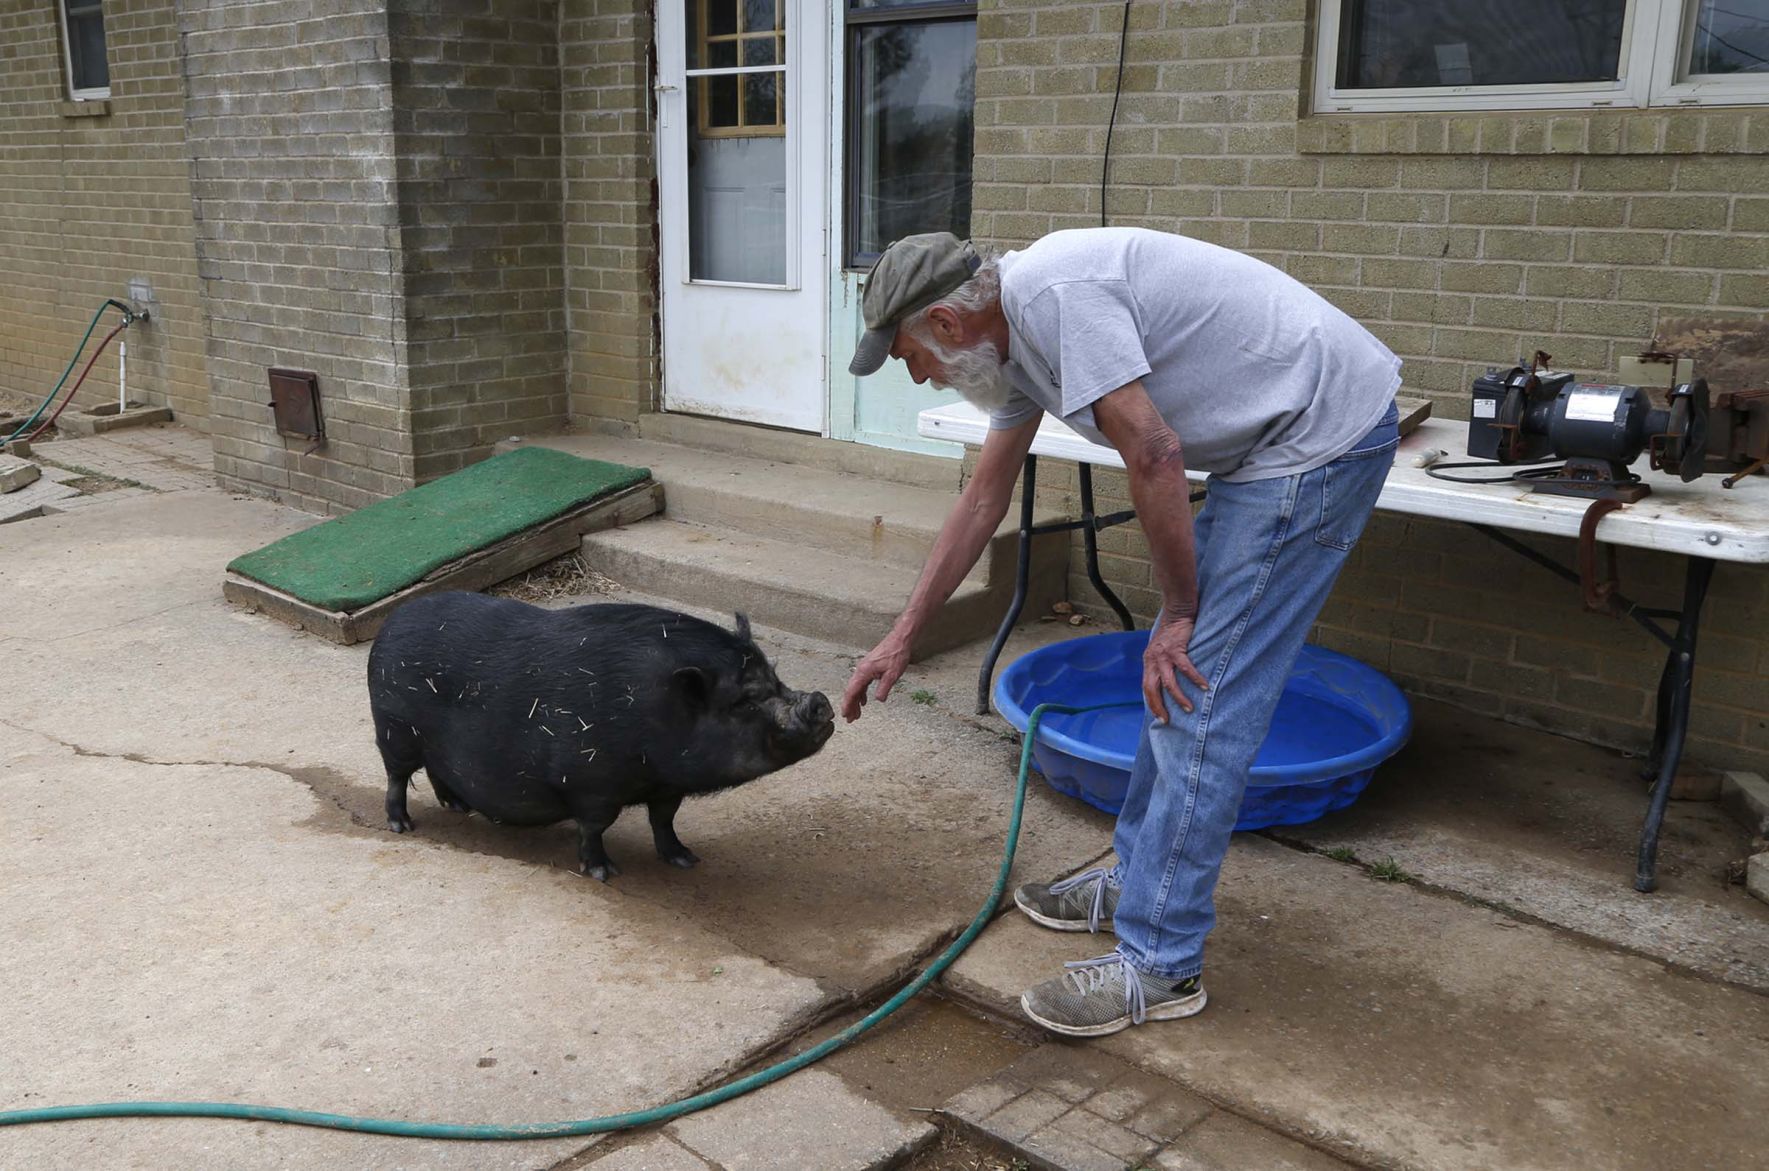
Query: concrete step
[858,517]
[796,586]
[797,448]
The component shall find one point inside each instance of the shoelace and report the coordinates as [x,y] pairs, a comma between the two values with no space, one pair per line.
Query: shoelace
[1098,875]
[1089,976]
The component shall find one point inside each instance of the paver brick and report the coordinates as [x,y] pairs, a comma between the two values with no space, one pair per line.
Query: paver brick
[1109,1137]
[983,1099]
[1227,1143]
[1057,1150]
[1117,1103]
[1168,1116]
[656,1153]
[1074,1108]
[1023,1115]
[30,500]
[811,1119]
[15,473]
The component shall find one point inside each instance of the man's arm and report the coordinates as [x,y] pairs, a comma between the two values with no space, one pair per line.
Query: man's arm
[968,528]
[1156,466]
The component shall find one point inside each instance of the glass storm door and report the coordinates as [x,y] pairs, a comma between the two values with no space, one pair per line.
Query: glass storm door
[909,90]
[742,101]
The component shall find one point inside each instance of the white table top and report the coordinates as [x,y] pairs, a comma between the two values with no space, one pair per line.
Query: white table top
[1699,518]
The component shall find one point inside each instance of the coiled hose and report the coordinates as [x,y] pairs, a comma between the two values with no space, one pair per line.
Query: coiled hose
[528,1130]
[31,423]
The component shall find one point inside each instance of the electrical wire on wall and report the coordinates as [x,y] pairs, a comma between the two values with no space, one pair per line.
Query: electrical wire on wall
[1105,169]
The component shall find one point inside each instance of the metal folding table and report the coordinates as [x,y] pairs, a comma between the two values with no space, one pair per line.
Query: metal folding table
[1699,521]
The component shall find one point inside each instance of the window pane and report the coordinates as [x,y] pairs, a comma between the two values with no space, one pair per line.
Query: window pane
[758,99]
[736,196]
[721,54]
[759,16]
[721,100]
[759,51]
[1731,36]
[910,123]
[1389,44]
[86,45]
[721,17]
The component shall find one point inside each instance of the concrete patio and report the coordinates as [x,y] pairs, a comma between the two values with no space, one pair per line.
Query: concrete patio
[205,904]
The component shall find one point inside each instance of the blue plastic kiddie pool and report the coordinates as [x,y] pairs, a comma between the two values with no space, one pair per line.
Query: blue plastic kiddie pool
[1336,721]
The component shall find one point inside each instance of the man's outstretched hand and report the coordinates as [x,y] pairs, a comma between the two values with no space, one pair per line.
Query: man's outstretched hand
[885,664]
[1164,661]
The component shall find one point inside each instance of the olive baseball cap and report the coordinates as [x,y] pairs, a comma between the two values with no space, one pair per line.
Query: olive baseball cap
[908,276]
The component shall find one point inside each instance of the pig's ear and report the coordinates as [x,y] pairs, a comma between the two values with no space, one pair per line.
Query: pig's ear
[692,687]
[743,627]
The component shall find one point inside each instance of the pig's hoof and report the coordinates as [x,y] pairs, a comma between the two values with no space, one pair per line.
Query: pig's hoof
[687,859]
[400,825]
[601,873]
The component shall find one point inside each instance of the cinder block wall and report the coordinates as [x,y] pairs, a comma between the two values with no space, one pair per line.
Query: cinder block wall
[1462,241]
[291,142]
[477,136]
[610,202]
[93,194]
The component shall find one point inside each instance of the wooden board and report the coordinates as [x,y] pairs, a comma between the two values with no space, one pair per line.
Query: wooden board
[1732,353]
[479,569]
[1413,411]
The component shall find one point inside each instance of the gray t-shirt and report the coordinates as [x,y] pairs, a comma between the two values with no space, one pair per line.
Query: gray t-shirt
[1258,375]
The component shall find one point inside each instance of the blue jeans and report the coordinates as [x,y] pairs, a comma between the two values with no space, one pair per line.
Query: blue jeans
[1268,553]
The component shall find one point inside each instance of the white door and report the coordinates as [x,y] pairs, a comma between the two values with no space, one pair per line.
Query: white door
[742,94]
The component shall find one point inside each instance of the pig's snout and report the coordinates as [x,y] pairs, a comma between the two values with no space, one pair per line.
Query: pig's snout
[813,709]
[813,719]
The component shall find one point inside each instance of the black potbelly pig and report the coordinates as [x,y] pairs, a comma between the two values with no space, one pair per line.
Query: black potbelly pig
[533,716]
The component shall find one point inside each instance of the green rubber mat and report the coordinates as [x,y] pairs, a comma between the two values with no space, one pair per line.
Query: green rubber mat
[350,561]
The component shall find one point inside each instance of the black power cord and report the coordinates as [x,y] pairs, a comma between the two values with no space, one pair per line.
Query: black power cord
[1508,478]
[1532,472]
[1117,92]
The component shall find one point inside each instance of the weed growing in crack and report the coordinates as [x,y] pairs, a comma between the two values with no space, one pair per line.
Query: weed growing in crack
[1388,870]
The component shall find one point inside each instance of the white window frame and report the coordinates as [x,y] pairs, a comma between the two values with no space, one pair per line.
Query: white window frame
[90,94]
[1657,36]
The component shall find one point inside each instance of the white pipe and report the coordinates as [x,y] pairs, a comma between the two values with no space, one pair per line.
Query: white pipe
[122,373]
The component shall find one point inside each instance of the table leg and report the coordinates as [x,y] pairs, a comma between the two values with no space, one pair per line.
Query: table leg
[1673,721]
[1021,580]
[1661,720]
[1090,541]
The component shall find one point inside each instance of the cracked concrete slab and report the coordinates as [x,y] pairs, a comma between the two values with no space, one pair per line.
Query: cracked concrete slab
[1403,1028]
[1535,824]
[183,934]
[792,863]
[205,757]
[1548,826]
[1369,1025]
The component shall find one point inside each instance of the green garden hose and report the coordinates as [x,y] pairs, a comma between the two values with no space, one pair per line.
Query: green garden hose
[128,316]
[527,1130]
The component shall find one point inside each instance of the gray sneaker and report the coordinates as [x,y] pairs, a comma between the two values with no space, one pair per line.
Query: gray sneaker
[1081,903]
[1101,996]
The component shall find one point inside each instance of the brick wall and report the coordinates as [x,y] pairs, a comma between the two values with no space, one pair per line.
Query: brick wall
[92,195]
[477,134]
[1461,241]
[610,197]
[291,141]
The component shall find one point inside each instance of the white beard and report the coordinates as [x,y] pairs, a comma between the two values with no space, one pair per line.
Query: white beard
[976,373]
